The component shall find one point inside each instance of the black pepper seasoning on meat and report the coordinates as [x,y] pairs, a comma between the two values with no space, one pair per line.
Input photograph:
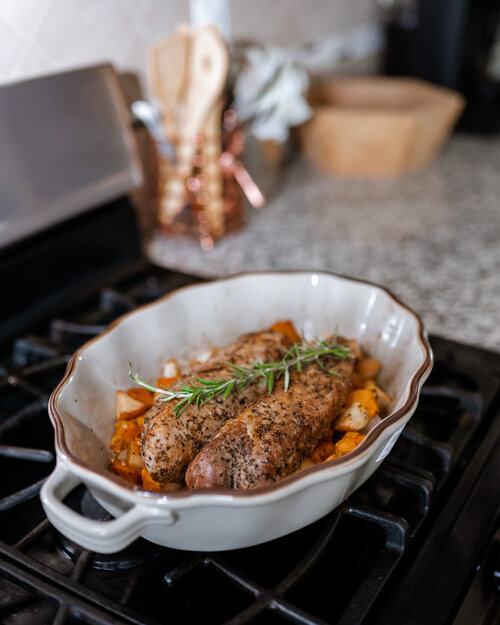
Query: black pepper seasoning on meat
[269,439]
[170,442]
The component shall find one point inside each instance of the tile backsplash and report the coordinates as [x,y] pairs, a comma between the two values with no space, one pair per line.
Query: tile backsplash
[44,36]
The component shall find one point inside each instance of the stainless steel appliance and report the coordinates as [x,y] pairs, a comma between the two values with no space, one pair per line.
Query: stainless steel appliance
[417,543]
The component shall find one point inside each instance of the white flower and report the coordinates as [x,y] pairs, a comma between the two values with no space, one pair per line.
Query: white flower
[269,93]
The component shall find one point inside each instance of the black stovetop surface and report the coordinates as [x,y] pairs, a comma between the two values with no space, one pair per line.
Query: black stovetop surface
[403,548]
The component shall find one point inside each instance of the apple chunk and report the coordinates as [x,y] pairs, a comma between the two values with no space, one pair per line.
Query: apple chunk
[128,407]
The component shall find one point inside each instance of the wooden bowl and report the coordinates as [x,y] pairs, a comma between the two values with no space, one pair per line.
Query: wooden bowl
[378,126]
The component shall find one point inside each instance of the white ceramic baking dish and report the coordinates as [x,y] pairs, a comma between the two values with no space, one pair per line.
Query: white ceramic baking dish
[82,408]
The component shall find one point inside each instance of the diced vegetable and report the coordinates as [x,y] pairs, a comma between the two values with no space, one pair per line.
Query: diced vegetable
[125,432]
[306,463]
[357,382]
[364,404]
[149,484]
[128,407]
[166,382]
[382,398]
[134,458]
[127,473]
[347,443]
[288,329]
[355,349]
[372,423]
[171,369]
[368,368]
[324,449]
[142,395]
[366,397]
[353,418]
[205,355]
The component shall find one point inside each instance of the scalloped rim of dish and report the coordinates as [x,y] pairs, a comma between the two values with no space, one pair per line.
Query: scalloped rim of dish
[188,498]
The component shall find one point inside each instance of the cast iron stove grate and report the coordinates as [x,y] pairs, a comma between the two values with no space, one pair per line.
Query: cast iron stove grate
[346,568]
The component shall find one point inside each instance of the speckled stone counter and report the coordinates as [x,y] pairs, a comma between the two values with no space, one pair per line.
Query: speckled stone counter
[432,237]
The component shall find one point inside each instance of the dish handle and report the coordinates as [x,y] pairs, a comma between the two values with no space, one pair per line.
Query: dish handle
[99,536]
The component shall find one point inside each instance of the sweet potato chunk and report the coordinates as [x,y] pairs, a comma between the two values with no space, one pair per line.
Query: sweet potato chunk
[324,449]
[347,443]
[357,382]
[125,445]
[288,329]
[127,473]
[382,398]
[306,463]
[149,484]
[164,383]
[126,431]
[368,368]
[366,397]
[134,458]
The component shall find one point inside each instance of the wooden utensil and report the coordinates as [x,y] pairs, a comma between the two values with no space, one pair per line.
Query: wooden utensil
[211,152]
[206,75]
[167,69]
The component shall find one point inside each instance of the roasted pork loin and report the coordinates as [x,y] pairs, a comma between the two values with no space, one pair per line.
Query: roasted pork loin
[269,439]
[170,442]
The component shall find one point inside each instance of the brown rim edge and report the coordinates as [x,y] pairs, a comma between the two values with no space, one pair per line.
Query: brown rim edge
[412,399]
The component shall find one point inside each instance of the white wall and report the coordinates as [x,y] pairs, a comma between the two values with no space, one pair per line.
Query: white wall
[44,36]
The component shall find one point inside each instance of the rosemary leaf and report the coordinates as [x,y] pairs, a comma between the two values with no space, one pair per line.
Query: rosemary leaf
[333,372]
[203,389]
[270,381]
[286,381]
[229,389]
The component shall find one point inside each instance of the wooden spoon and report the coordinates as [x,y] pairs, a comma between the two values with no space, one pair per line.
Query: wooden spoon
[168,61]
[205,80]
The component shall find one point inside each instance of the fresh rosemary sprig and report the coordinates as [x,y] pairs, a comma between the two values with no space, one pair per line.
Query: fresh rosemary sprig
[297,357]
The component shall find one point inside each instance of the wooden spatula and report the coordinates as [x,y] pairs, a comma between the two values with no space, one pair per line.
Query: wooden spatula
[205,80]
[168,61]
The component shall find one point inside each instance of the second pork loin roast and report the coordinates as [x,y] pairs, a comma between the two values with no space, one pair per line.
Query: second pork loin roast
[269,439]
[170,442]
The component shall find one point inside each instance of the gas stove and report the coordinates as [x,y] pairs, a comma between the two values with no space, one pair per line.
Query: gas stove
[402,549]
[417,543]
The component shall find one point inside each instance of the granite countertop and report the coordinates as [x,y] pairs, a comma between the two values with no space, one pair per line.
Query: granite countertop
[431,237]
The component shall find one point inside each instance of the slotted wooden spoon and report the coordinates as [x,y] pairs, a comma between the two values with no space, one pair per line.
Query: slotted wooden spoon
[168,61]
[205,79]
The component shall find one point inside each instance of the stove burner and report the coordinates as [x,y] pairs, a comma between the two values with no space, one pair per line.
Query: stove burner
[139,553]
[91,508]
[63,332]
[32,349]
